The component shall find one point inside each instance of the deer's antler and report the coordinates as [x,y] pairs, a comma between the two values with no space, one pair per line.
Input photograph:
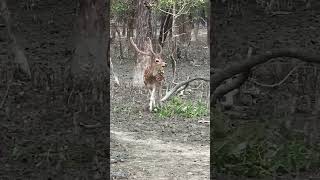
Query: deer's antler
[160,48]
[137,49]
[151,48]
[150,45]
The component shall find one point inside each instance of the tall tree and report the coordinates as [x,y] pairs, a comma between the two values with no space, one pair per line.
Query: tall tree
[212,36]
[143,30]
[90,50]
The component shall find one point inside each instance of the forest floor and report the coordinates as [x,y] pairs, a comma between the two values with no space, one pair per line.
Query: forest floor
[146,146]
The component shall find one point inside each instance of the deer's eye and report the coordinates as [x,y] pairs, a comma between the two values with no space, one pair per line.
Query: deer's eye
[157,60]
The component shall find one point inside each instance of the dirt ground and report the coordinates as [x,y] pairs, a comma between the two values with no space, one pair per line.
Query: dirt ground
[144,146]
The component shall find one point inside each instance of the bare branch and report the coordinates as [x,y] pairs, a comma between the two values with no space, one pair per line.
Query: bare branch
[276,84]
[177,87]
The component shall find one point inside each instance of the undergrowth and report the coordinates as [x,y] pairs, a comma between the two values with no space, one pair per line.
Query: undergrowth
[184,108]
[259,149]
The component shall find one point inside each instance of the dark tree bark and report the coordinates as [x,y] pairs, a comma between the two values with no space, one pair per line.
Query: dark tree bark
[89,75]
[87,93]
[16,50]
[215,126]
[107,29]
[212,35]
[90,48]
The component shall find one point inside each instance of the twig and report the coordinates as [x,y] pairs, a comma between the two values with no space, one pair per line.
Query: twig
[280,13]
[90,126]
[203,121]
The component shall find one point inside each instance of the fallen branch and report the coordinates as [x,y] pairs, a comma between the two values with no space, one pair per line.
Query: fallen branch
[236,82]
[245,66]
[226,88]
[183,83]
[276,84]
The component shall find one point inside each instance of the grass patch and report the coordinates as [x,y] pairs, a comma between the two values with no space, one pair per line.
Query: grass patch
[184,108]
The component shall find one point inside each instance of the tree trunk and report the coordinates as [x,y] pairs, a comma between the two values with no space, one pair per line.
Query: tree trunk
[131,19]
[130,26]
[184,28]
[144,30]
[143,24]
[17,51]
[87,91]
[217,125]
[212,36]
[113,30]
[124,28]
[196,31]
[90,49]
[165,27]
[117,30]
[174,32]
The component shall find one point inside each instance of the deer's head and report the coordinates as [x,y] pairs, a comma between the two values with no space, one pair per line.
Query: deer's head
[156,58]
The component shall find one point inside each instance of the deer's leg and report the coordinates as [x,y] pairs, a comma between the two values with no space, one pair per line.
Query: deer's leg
[160,95]
[156,100]
[150,104]
[154,95]
[152,98]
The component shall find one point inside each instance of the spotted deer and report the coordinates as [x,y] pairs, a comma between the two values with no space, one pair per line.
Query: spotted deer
[153,73]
